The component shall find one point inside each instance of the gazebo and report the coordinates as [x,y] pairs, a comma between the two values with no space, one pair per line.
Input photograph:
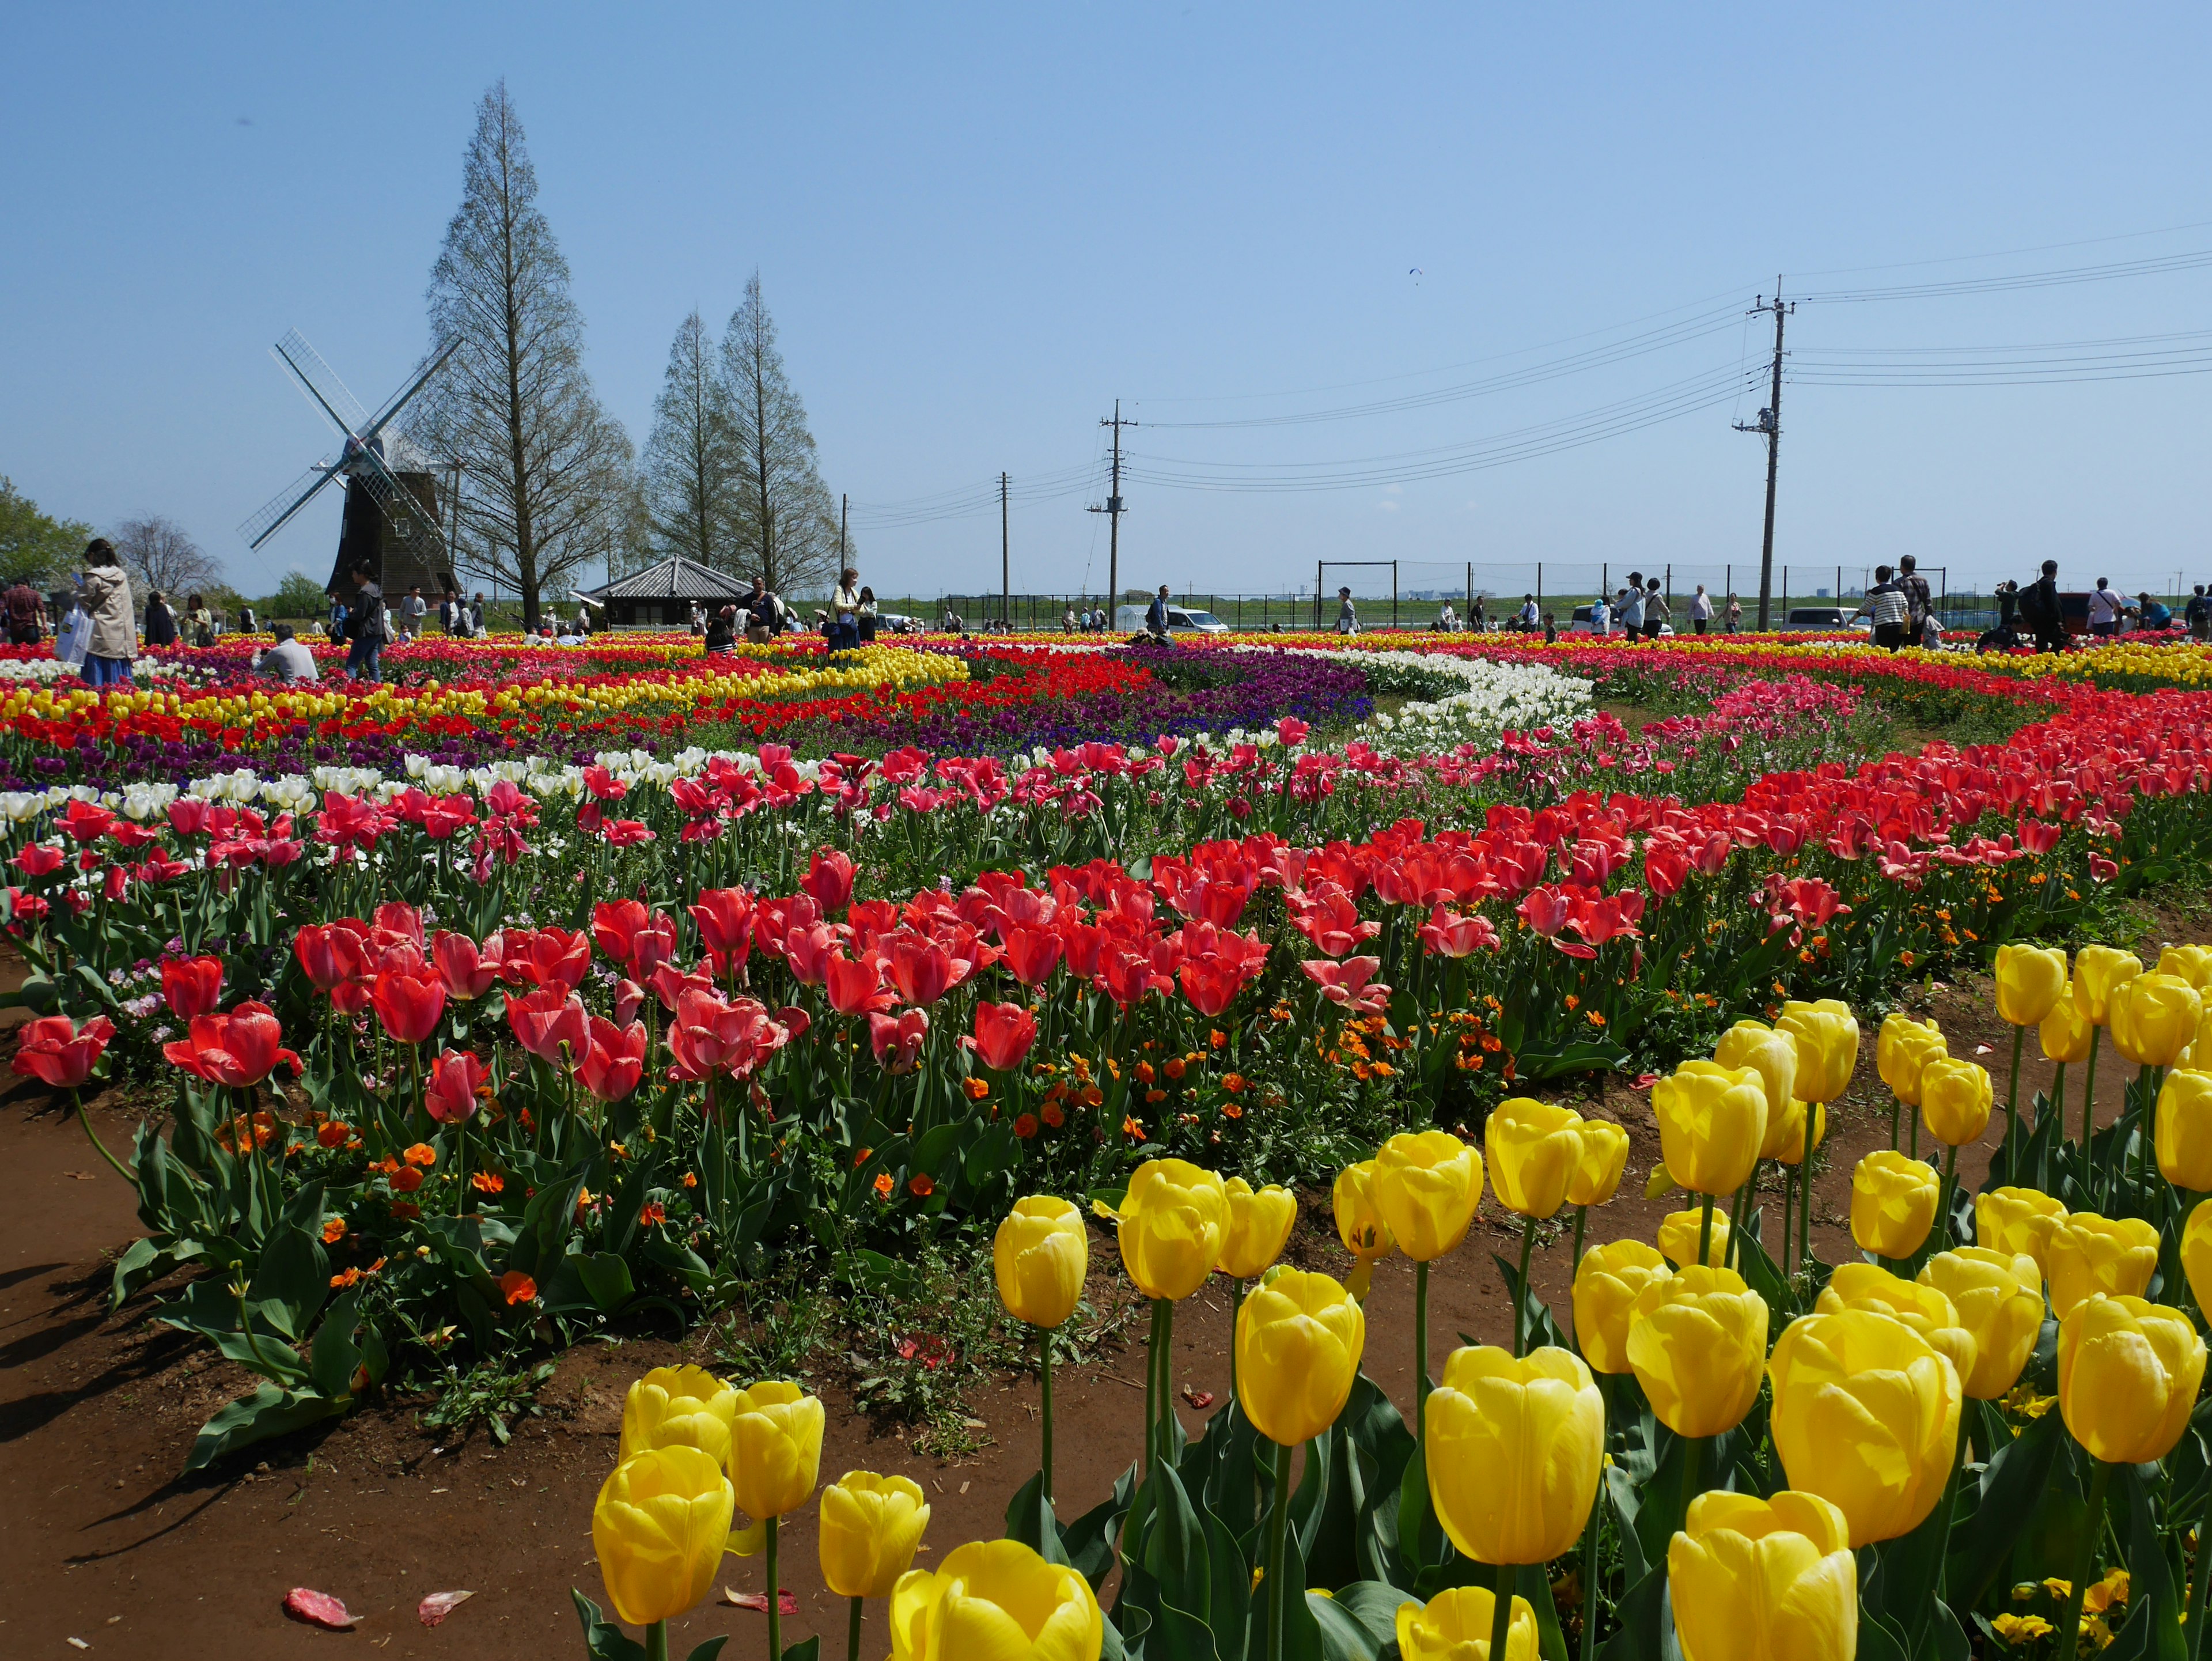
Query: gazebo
[662,595]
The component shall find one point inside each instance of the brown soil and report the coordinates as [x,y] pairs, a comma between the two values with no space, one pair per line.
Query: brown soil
[101,1540]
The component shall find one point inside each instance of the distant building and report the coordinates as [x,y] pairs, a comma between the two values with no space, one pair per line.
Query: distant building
[662,595]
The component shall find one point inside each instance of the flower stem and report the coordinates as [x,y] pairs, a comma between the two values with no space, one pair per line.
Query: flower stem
[2201,1579]
[774,1600]
[1582,1217]
[656,1641]
[1277,1520]
[1044,1369]
[2012,1101]
[76,1099]
[1501,1618]
[1420,1345]
[1152,1390]
[1520,1292]
[1589,1567]
[2069,1624]
[853,1632]
[1943,1214]
[1167,1381]
[2089,1111]
[1706,1231]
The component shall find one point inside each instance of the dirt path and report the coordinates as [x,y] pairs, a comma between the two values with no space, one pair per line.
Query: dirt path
[100,1542]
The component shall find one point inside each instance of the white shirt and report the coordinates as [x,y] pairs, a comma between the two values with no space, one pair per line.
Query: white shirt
[2104,606]
[1701,604]
[845,601]
[289,661]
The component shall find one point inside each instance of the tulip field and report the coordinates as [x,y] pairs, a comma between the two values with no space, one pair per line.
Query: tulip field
[546,998]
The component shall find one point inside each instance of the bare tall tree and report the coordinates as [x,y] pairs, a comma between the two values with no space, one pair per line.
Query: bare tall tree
[788,520]
[692,479]
[548,469]
[160,556]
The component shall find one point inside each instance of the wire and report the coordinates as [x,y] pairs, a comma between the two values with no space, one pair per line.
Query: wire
[2066,276]
[2007,254]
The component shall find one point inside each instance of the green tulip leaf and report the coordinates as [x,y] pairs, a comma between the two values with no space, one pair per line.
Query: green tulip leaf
[2012,1485]
[603,1639]
[1030,1520]
[268,1412]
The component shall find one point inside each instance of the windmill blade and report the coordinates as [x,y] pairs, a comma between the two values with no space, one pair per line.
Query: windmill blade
[399,400]
[321,381]
[286,502]
[383,485]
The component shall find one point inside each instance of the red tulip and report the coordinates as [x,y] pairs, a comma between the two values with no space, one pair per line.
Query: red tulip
[1329,918]
[335,957]
[39,861]
[467,974]
[1449,934]
[896,1040]
[855,985]
[614,1059]
[1665,866]
[239,1049]
[1349,983]
[1033,953]
[710,1033]
[408,1003]
[549,957]
[808,951]
[451,1096]
[615,925]
[1004,1033]
[1291,730]
[921,969]
[725,916]
[544,1020]
[653,944]
[192,986]
[55,1049]
[628,997]
[669,983]
[395,920]
[830,879]
[1546,910]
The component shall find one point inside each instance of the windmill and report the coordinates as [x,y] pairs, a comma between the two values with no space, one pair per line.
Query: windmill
[391,520]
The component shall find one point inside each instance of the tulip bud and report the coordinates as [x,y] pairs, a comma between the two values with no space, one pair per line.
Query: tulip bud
[1999,1300]
[2155,1019]
[1514,1450]
[1751,1579]
[1697,1342]
[1773,1056]
[1606,1282]
[1828,1035]
[1678,1236]
[871,1526]
[1604,1156]
[1259,1223]
[1172,1224]
[1866,1415]
[1425,1187]
[2031,980]
[2185,1129]
[1534,1149]
[2100,971]
[678,1406]
[1456,1626]
[1921,1305]
[995,1599]
[1955,1097]
[2193,962]
[1041,1254]
[1893,1200]
[1359,1223]
[1902,1048]
[2066,1032]
[775,1448]
[2087,1254]
[2196,1253]
[1712,1122]
[2128,1374]
[659,1525]
[1299,1338]
[2017,1221]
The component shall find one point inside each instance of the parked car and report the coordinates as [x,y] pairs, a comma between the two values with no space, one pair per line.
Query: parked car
[897,622]
[1823,620]
[1130,619]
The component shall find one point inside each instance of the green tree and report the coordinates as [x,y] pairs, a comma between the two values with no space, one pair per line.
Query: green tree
[692,478]
[787,527]
[35,547]
[297,597]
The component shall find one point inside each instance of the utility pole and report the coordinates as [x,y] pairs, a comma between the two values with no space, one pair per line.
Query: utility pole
[1113,512]
[1769,425]
[1005,565]
[844,506]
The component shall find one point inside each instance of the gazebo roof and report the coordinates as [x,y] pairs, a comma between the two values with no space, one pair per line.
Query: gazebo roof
[674,578]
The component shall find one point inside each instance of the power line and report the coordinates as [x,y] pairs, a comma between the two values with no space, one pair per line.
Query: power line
[2066,276]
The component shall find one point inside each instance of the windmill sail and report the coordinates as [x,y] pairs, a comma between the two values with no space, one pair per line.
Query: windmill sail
[287,502]
[322,383]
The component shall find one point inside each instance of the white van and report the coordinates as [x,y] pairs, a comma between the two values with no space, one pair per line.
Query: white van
[1130,620]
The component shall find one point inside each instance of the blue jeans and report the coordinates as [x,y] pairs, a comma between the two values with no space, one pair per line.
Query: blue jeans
[100,671]
[360,660]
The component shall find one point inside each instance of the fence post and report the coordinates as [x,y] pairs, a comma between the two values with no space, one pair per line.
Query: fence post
[1467,622]
[1393,596]
[1539,587]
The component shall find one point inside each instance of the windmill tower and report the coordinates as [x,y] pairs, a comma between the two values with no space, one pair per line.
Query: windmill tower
[392,520]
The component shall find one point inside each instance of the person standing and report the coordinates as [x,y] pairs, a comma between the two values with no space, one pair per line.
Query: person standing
[1529,617]
[161,621]
[1887,604]
[114,640]
[201,619]
[1601,619]
[1655,610]
[1735,614]
[1919,603]
[1701,610]
[476,614]
[2040,608]
[26,613]
[865,618]
[412,609]
[1348,615]
[369,627]
[2105,608]
[1478,620]
[2197,614]
[845,612]
[1631,607]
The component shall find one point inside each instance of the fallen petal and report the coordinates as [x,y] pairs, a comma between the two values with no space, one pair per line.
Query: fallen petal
[786,1601]
[440,1604]
[317,1609]
[1200,1399]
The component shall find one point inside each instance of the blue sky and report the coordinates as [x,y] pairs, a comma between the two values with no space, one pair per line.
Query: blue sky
[978,226]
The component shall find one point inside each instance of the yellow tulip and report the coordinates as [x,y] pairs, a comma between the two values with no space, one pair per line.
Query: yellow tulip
[1752,1579]
[1606,1282]
[1040,1254]
[2087,1254]
[2031,980]
[659,1525]
[1920,1305]
[1866,1415]
[2098,972]
[2066,1032]
[2154,1019]
[1456,1626]
[2193,962]
[1901,1050]
[871,1526]
[2018,1221]
[1999,1300]
[1359,1224]
[1828,1035]
[995,1600]
[2128,1374]
[1712,1122]
[2199,1057]
[775,1448]
[1955,1097]
[1299,1338]
[1773,1056]
[1893,1198]
[1801,1114]
[2185,1129]
[1172,1223]
[1426,1185]
[1697,1342]
[1604,1158]
[1514,1449]
[1259,1221]
[1534,1150]
[1678,1236]
[678,1406]
[2196,1253]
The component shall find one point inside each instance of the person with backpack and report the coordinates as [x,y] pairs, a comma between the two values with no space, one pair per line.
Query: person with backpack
[1918,600]
[2040,611]
[2197,615]
[1656,612]
[369,627]
[161,621]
